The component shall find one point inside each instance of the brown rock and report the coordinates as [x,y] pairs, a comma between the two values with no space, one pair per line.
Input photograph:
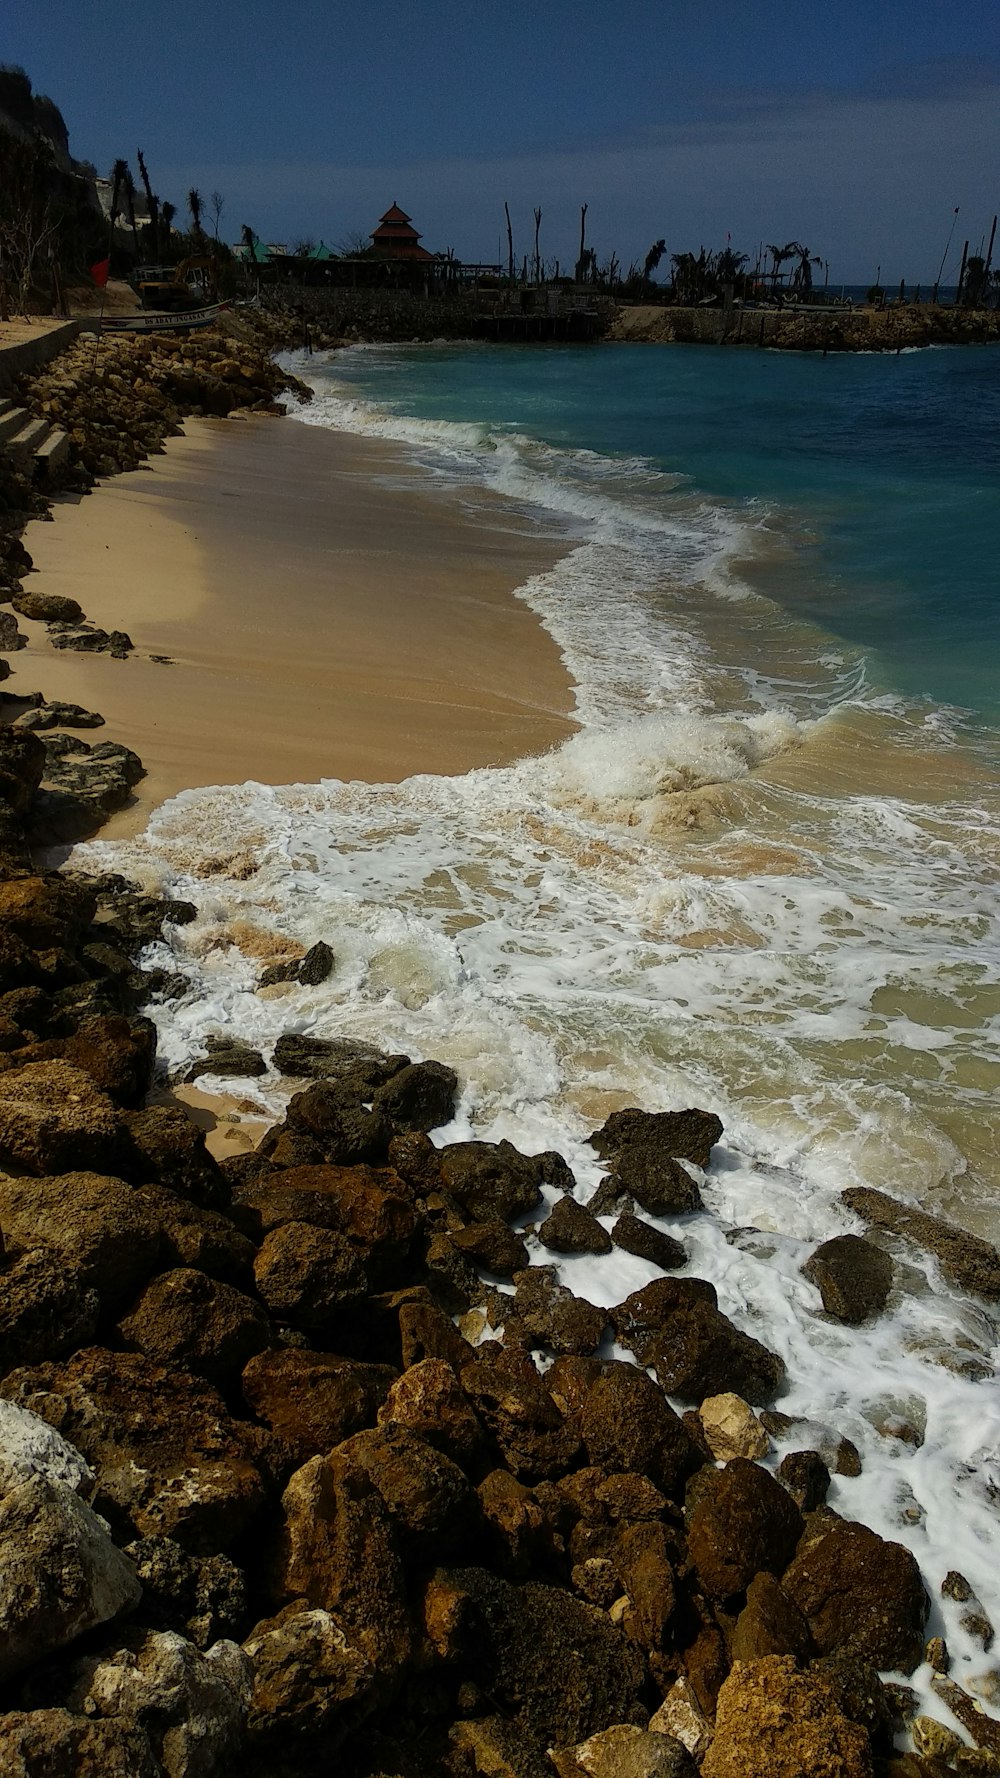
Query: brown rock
[624,1751]
[169,1460]
[312,1401]
[853,1277]
[428,1400]
[192,1236]
[47,607]
[369,1206]
[512,1401]
[964,1259]
[44,911]
[770,1624]
[103,1231]
[165,1148]
[570,1228]
[514,1522]
[742,1521]
[46,1310]
[491,1180]
[860,1593]
[681,1716]
[309,1680]
[52,1118]
[429,1500]
[633,1235]
[642,1556]
[186,1319]
[201,1598]
[420,1096]
[558,1667]
[425,1331]
[452,1278]
[674,1325]
[686,1135]
[327,1123]
[338,1550]
[493,1246]
[56,1744]
[773,1722]
[626,1423]
[806,1477]
[307,1275]
[361,1067]
[545,1313]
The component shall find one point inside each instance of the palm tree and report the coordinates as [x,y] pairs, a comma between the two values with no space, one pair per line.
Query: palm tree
[652,260]
[779,255]
[802,277]
[194,205]
[167,212]
[153,205]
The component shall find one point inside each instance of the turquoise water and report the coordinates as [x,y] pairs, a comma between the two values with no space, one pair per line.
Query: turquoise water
[881,473]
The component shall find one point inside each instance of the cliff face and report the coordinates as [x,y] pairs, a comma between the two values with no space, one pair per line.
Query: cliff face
[838,330]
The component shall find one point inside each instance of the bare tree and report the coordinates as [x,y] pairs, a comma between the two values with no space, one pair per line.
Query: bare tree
[217,204]
[582,261]
[28,221]
[538,263]
[152,204]
[510,246]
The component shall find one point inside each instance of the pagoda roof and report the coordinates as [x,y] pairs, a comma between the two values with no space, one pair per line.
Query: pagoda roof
[394,214]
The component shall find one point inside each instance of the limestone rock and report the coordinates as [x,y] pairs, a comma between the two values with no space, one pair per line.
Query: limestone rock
[428,1401]
[860,1593]
[169,1460]
[644,1150]
[806,1477]
[187,1319]
[166,1148]
[229,1057]
[99,1226]
[312,1401]
[773,1722]
[674,1326]
[29,1446]
[46,1309]
[853,1277]
[493,1246]
[52,1118]
[202,1598]
[642,1558]
[60,1574]
[770,1624]
[633,1235]
[742,1521]
[327,1123]
[429,1500]
[545,1313]
[570,1228]
[624,1751]
[309,1679]
[56,1744]
[626,1423]
[322,1058]
[491,1180]
[555,1665]
[420,1096]
[731,1428]
[681,1716]
[47,607]
[193,1236]
[306,1275]
[966,1260]
[512,1401]
[192,1706]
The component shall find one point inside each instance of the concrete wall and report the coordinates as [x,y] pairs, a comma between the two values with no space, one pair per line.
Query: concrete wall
[30,352]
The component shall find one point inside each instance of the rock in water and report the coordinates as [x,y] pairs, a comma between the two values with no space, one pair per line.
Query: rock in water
[731,1428]
[853,1277]
[570,1228]
[858,1592]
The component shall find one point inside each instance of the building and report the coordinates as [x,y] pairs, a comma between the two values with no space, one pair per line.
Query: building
[396,238]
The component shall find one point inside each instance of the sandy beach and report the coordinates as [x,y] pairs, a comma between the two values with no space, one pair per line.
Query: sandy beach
[325,613]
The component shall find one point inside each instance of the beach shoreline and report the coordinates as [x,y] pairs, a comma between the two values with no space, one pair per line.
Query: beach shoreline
[392,656]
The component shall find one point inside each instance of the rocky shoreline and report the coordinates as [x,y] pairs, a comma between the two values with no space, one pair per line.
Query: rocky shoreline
[305,1460]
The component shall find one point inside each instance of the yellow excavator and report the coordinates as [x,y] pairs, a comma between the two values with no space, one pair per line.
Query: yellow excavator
[190,285]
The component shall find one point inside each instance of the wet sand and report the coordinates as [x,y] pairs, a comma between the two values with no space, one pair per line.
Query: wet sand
[325,612]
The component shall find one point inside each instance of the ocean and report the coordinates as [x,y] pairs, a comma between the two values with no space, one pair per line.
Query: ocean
[761,878]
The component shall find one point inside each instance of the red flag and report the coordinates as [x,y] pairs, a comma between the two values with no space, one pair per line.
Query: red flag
[99,272]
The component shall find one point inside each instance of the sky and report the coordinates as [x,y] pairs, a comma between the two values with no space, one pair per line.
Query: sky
[855,128]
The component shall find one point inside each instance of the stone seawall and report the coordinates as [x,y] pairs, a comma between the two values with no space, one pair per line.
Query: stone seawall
[837,330]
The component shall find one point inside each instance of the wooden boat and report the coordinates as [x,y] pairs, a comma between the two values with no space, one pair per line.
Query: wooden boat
[176,321]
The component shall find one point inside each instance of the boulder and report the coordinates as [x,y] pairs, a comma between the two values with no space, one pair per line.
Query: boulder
[429,1500]
[773,1722]
[306,1275]
[853,1277]
[452,1278]
[545,1313]
[742,1521]
[626,1423]
[166,1148]
[53,1118]
[369,1206]
[517,1533]
[554,1665]
[102,1230]
[46,1309]
[570,1228]
[696,1351]
[493,1246]
[312,1401]
[681,1716]
[359,1065]
[60,1574]
[228,1057]
[192,1706]
[491,1180]
[29,1446]
[965,1260]
[861,1594]
[633,1235]
[327,1123]
[731,1428]
[202,1598]
[685,1135]
[56,1744]
[770,1624]
[425,1331]
[44,912]
[117,1053]
[337,1549]
[512,1401]
[428,1400]
[193,1236]
[643,1558]
[420,1096]
[806,1477]
[48,607]
[624,1751]
[186,1319]
[168,1459]
[309,1680]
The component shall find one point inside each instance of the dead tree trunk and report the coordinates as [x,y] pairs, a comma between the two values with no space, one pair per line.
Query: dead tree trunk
[510,246]
[581,262]
[538,263]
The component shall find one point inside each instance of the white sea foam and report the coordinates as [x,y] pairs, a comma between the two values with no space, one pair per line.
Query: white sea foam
[549,931]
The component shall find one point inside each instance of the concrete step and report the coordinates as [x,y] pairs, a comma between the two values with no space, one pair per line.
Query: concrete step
[5,404]
[11,421]
[24,444]
[51,453]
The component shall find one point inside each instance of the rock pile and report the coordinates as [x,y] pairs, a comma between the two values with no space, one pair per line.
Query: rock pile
[313,1496]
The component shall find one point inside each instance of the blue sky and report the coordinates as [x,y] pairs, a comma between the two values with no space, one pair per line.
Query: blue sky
[855,127]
